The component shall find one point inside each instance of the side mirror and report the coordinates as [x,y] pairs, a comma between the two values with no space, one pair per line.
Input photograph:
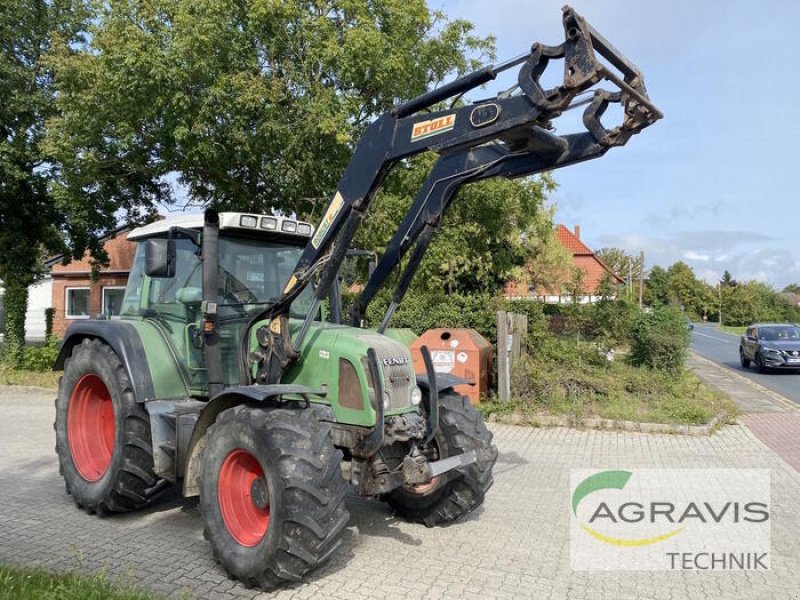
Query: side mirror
[159,258]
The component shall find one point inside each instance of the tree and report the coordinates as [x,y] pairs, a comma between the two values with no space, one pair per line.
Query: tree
[27,212]
[656,291]
[727,280]
[548,262]
[686,291]
[248,106]
[624,265]
[621,262]
[792,288]
[477,252]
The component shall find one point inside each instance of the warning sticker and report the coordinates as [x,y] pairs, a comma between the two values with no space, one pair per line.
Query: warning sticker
[328,219]
[443,360]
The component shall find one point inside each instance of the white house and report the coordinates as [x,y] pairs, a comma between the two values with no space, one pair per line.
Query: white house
[40,297]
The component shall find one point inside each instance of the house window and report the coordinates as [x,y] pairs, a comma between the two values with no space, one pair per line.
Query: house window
[77,303]
[112,301]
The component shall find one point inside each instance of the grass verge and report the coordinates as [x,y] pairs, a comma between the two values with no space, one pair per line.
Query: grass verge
[23,584]
[45,379]
[733,330]
[617,391]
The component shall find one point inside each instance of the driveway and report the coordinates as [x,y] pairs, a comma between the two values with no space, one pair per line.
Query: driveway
[516,546]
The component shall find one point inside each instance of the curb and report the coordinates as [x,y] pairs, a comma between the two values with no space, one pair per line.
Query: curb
[605,424]
[756,386]
[23,388]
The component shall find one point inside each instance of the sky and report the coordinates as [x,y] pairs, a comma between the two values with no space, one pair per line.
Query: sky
[715,183]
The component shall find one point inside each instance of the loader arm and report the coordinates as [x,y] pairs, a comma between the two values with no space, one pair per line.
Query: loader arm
[448,175]
[517,124]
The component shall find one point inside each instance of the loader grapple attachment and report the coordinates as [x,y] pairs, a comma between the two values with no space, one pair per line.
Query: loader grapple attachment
[510,135]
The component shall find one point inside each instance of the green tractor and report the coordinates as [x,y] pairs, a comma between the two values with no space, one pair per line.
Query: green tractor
[228,376]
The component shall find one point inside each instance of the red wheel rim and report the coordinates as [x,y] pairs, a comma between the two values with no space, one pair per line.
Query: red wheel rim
[90,427]
[423,488]
[246,521]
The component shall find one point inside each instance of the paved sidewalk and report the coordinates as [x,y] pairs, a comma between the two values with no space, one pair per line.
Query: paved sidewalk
[773,419]
[516,546]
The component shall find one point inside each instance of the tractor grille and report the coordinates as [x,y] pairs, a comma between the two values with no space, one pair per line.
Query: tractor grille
[398,379]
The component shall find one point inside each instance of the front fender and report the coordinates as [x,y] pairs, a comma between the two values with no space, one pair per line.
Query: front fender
[124,340]
[444,381]
[228,398]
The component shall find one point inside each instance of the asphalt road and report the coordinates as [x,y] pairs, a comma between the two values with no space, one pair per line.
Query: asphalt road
[723,348]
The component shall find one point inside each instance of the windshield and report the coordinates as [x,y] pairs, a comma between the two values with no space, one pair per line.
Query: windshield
[779,333]
[252,274]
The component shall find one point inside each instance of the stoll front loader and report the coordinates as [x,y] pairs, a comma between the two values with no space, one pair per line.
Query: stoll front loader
[224,376]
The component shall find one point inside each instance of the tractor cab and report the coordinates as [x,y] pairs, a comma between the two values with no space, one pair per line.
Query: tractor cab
[256,256]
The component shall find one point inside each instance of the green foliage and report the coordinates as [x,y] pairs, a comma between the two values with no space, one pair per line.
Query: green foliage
[656,290]
[660,340]
[792,288]
[28,216]
[41,358]
[15,304]
[251,105]
[49,315]
[422,311]
[752,301]
[474,251]
[578,382]
[612,321]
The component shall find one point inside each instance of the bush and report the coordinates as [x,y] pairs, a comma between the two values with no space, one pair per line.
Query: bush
[660,340]
[612,321]
[41,358]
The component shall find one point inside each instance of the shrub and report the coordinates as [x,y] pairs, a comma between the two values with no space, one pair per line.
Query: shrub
[49,317]
[660,340]
[41,358]
[612,321]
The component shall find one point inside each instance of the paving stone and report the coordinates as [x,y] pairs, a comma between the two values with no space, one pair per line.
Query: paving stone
[515,546]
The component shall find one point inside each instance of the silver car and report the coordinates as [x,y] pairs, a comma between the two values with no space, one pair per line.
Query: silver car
[770,346]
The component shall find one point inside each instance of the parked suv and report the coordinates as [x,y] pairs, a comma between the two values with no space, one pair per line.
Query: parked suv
[771,346]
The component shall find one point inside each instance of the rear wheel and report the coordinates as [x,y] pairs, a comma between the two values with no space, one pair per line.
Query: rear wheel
[102,434]
[271,493]
[458,492]
[743,360]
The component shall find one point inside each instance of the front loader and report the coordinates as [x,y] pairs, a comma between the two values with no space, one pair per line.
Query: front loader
[227,376]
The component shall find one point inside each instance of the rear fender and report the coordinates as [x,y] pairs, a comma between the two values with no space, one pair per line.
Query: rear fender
[124,340]
[266,395]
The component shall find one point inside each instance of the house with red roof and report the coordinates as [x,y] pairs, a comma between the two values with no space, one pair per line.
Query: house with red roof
[583,258]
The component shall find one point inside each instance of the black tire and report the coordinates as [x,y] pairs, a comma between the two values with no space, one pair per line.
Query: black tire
[745,362]
[303,494]
[112,472]
[760,364]
[459,492]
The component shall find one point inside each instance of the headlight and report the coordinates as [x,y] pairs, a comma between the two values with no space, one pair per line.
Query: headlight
[416,395]
[386,401]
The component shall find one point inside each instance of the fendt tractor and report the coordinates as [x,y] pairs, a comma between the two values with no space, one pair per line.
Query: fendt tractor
[229,376]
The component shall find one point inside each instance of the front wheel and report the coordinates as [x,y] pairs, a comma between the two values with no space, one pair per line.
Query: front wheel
[271,494]
[103,437]
[459,492]
[760,363]
[743,360]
